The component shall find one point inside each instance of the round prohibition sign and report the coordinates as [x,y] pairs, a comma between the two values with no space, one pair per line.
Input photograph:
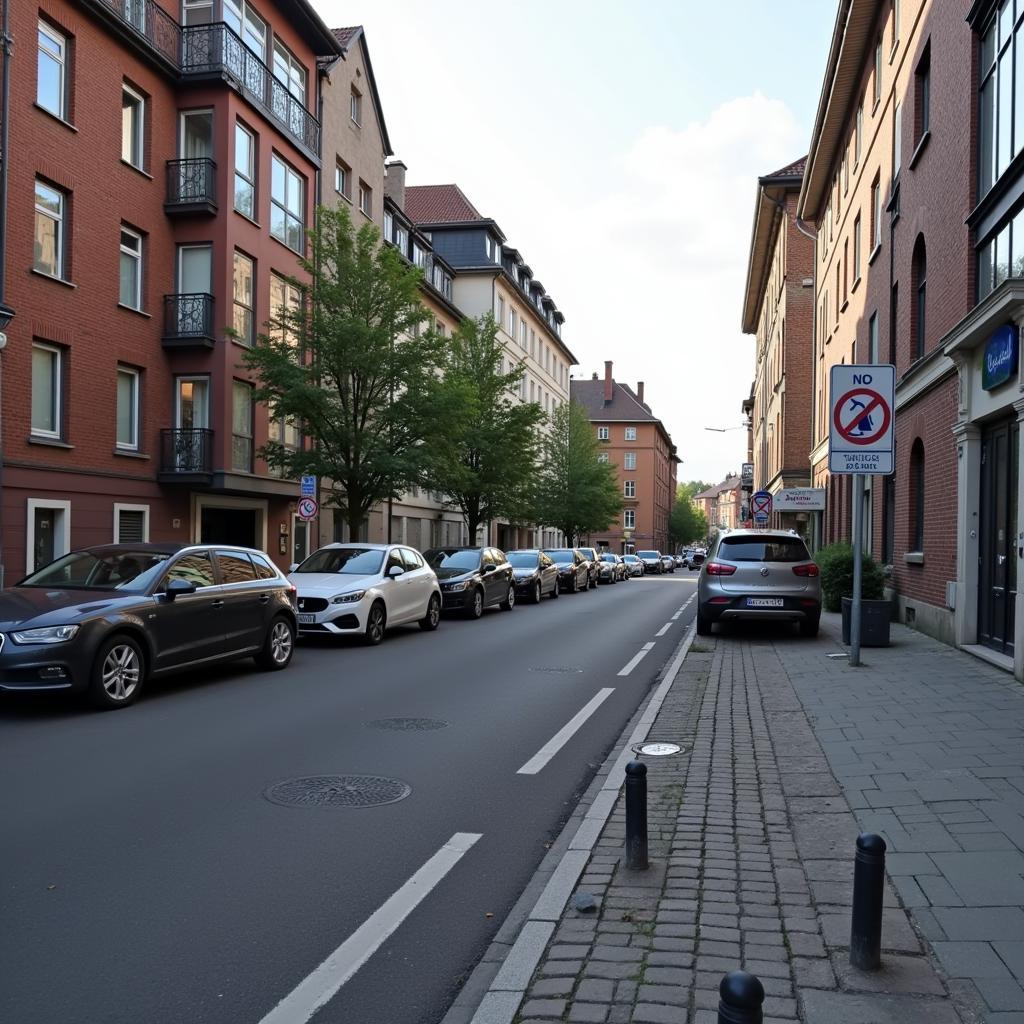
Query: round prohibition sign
[868,402]
[307,508]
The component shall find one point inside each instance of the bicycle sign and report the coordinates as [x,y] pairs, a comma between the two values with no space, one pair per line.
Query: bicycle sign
[861,421]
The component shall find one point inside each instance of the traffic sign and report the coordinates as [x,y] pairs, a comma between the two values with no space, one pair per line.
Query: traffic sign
[308,509]
[761,506]
[861,421]
[307,487]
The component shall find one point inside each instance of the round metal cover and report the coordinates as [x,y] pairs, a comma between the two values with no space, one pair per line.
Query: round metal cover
[657,749]
[407,724]
[338,791]
[764,572]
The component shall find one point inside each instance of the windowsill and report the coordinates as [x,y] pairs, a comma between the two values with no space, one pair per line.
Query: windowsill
[914,557]
[49,442]
[57,118]
[137,312]
[368,216]
[874,253]
[855,285]
[239,342]
[137,170]
[124,453]
[245,216]
[358,124]
[56,280]
[921,146]
[348,199]
[285,245]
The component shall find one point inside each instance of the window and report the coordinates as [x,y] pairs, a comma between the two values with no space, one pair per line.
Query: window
[366,198]
[127,409]
[51,65]
[389,229]
[343,181]
[858,136]
[856,249]
[512,322]
[287,204]
[629,489]
[873,338]
[897,141]
[51,211]
[241,427]
[602,457]
[876,213]
[235,567]
[47,388]
[242,321]
[523,341]
[133,108]
[195,568]
[355,106]
[920,286]
[603,433]
[48,535]
[501,310]
[289,72]
[245,172]
[629,518]
[247,24]
[630,433]
[419,255]
[629,460]
[846,266]
[895,4]
[877,83]
[285,307]
[131,524]
[915,538]
[131,269]
[923,96]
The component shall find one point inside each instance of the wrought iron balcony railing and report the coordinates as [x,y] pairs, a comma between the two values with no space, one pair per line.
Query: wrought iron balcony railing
[191,186]
[186,451]
[188,320]
[149,22]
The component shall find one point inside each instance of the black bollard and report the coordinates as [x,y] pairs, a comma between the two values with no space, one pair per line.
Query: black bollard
[868,890]
[740,999]
[636,816]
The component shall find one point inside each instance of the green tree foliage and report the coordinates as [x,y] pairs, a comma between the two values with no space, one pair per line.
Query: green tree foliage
[484,451]
[836,564]
[575,492]
[691,489]
[686,524]
[351,369]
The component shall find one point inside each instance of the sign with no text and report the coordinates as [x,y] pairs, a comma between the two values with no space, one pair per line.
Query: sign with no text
[761,506]
[861,420]
[308,508]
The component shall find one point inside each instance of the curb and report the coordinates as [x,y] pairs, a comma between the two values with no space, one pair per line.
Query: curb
[494,990]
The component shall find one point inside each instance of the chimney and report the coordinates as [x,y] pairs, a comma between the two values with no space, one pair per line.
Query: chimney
[595,376]
[608,382]
[394,182]
[640,392]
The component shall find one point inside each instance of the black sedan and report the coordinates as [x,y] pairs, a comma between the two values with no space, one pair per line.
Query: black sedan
[573,568]
[472,579]
[103,620]
[535,574]
[612,569]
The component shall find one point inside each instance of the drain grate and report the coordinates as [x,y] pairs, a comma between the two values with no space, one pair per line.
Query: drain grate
[407,724]
[557,669]
[338,791]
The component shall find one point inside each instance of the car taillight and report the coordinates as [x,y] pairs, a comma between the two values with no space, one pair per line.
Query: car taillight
[807,569]
[719,569]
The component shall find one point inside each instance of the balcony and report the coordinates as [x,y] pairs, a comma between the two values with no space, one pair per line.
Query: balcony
[188,321]
[214,51]
[191,186]
[186,455]
[144,23]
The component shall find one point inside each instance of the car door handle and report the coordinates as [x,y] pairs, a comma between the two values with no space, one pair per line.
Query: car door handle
[264,598]
[218,603]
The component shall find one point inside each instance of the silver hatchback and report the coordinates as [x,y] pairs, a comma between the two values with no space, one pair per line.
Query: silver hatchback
[759,574]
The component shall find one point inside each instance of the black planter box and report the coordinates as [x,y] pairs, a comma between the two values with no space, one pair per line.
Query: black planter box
[875,616]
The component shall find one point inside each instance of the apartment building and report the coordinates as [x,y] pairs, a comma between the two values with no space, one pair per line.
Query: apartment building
[143,253]
[778,309]
[636,442]
[722,504]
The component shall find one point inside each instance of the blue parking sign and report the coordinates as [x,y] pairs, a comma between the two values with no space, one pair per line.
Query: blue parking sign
[307,487]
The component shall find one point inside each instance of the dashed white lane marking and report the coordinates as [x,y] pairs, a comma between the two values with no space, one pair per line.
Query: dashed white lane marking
[682,609]
[323,984]
[636,659]
[664,629]
[559,740]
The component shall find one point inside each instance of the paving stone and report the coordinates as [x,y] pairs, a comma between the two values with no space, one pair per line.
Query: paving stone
[970,960]
[552,987]
[898,974]
[595,990]
[1001,993]
[652,1013]
[544,1008]
[823,1007]
[673,995]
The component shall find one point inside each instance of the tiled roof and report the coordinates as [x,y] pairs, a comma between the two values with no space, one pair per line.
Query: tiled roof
[624,404]
[730,483]
[439,204]
[793,170]
[346,35]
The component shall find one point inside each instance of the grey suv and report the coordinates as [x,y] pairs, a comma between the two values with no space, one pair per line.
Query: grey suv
[759,574]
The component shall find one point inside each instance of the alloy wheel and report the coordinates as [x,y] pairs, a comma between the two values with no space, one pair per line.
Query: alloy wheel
[375,625]
[122,670]
[280,642]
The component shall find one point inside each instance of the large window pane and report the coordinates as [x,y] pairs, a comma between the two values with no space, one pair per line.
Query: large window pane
[1004,122]
[49,224]
[131,269]
[245,176]
[132,107]
[45,390]
[50,63]
[241,427]
[242,320]
[127,409]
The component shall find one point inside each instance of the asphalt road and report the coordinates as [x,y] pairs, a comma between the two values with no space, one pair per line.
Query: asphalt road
[146,879]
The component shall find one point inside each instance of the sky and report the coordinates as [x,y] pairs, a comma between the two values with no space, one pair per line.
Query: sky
[618,147]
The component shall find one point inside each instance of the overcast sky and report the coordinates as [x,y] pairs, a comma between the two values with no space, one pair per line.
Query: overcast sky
[618,146]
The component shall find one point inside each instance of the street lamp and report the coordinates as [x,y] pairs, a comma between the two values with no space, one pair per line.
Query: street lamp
[724,430]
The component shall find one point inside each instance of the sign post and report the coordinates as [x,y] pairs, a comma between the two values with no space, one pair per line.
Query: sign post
[860,443]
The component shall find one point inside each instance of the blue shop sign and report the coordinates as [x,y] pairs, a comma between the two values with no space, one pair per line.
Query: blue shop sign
[1000,359]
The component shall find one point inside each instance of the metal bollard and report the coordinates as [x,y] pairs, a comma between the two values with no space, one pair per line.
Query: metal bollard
[636,816]
[868,890]
[740,999]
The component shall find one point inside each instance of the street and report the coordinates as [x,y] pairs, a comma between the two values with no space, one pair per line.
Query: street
[147,878]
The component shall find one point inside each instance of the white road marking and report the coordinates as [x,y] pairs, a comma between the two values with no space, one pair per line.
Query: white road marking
[664,629]
[636,659]
[682,609]
[323,984]
[559,740]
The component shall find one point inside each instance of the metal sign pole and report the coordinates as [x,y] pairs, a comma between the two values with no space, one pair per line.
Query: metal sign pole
[858,530]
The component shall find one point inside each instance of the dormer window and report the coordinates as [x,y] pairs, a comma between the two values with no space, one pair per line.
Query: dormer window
[389,227]
[419,255]
[402,240]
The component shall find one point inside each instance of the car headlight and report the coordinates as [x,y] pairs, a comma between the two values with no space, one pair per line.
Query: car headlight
[44,635]
[565,570]
[356,595]
[458,586]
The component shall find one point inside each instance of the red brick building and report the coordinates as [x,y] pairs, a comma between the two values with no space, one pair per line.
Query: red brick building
[144,250]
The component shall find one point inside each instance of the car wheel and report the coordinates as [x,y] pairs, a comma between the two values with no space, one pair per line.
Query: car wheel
[432,619]
[476,606]
[575,589]
[278,647]
[554,591]
[510,601]
[537,595]
[809,627]
[117,673]
[703,623]
[376,623]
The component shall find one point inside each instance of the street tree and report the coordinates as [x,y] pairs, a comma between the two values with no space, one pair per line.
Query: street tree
[686,523]
[484,457]
[690,489]
[575,492]
[350,368]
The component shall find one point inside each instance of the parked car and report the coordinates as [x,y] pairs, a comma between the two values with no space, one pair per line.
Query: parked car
[364,590]
[759,574]
[473,579]
[694,560]
[633,565]
[573,568]
[651,560]
[593,557]
[612,569]
[679,560]
[105,620]
[668,563]
[534,573]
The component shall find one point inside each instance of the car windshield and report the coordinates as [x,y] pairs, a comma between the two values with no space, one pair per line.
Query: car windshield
[630,558]
[522,559]
[346,561]
[440,558]
[769,549]
[607,558]
[96,570]
[648,554]
[559,554]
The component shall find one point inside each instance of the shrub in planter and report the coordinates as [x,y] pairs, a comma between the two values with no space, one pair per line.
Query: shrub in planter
[835,562]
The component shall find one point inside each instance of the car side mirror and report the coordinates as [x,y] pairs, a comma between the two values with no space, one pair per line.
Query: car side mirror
[490,568]
[178,588]
[293,566]
[395,571]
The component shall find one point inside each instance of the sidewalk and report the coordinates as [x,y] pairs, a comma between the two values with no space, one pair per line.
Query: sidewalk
[752,839]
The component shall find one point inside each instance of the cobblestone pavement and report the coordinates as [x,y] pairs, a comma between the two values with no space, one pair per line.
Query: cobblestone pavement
[752,840]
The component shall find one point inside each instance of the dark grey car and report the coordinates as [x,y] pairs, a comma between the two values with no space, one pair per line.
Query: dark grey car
[103,620]
[535,574]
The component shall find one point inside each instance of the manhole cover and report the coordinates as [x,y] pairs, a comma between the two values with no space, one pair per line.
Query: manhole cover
[407,724]
[655,748]
[556,668]
[338,791]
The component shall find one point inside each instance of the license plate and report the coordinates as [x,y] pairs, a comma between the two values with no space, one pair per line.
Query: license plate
[306,618]
[765,602]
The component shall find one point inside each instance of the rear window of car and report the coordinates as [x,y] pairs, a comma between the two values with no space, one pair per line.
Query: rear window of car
[264,570]
[559,554]
[771,549]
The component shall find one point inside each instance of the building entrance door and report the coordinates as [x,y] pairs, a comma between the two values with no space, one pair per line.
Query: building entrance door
[997,575]
[223,525]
